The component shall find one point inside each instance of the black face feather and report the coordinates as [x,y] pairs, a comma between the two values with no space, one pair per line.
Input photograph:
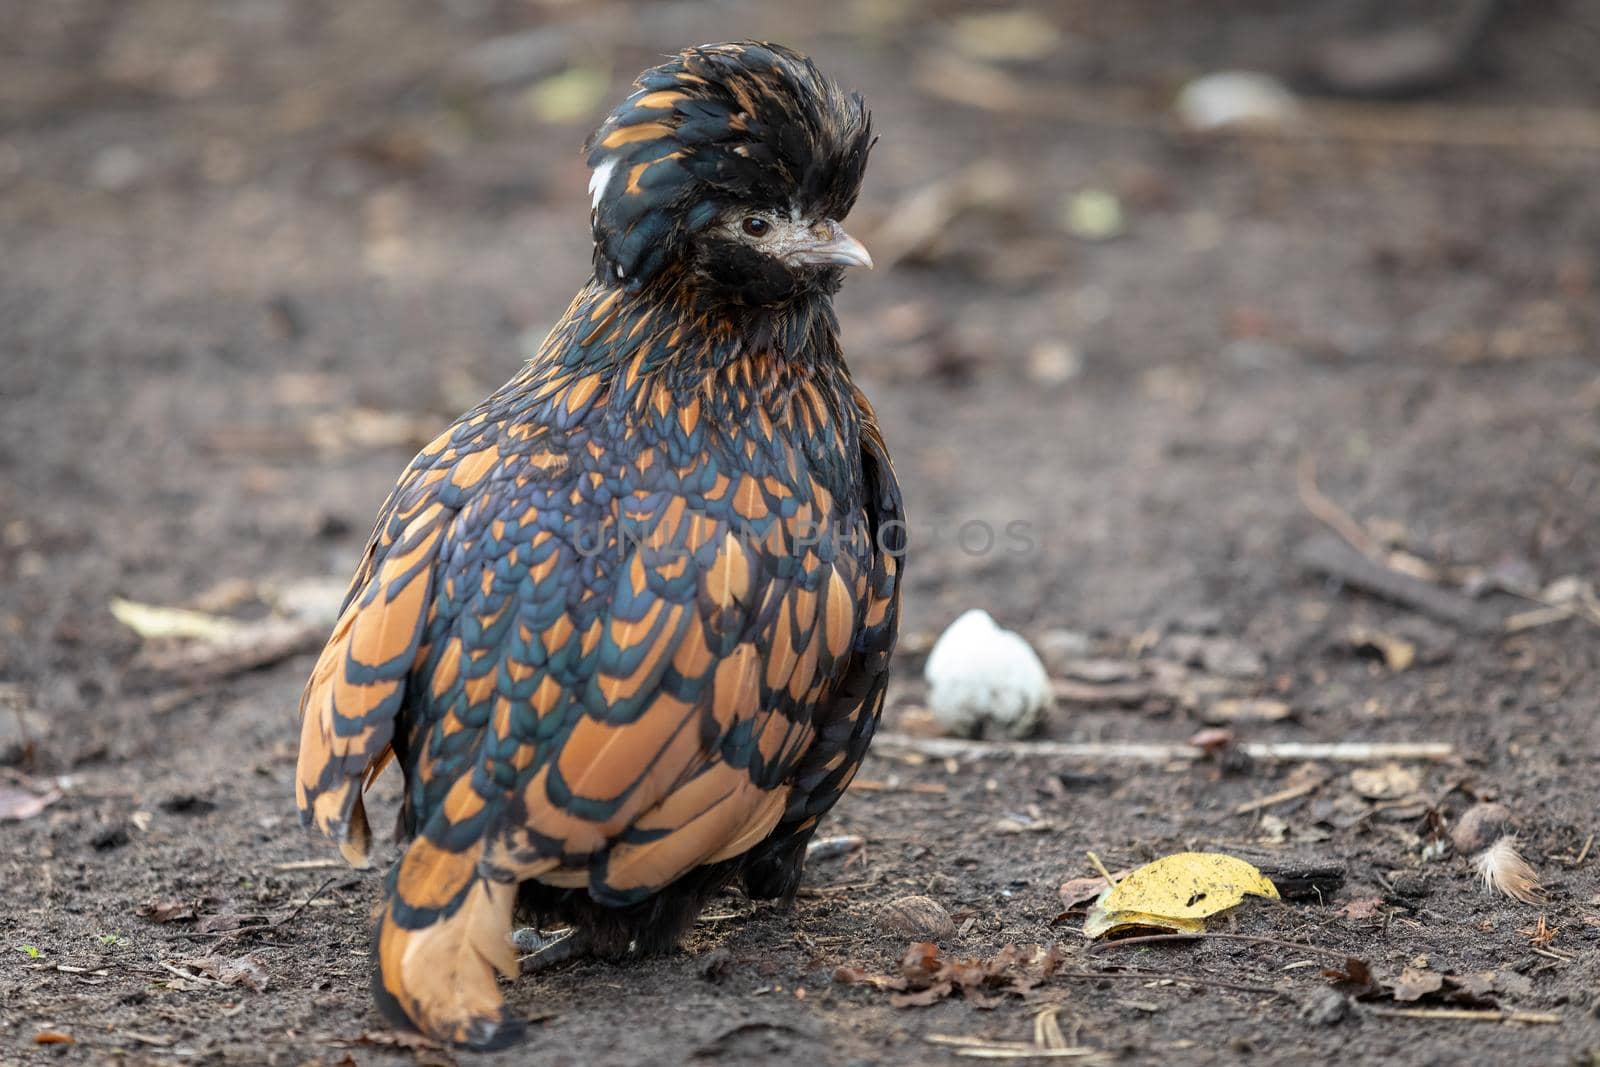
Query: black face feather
[715,131]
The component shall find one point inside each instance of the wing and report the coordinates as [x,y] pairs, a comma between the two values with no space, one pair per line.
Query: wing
[359,682]
[363,679]
[615,719]
[845,726]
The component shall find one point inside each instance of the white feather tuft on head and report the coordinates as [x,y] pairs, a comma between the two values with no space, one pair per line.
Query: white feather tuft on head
[599,180]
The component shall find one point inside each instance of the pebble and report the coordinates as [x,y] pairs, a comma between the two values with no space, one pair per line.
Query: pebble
[1480,826]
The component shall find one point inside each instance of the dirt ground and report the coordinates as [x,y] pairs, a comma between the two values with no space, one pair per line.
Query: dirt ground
[252,254]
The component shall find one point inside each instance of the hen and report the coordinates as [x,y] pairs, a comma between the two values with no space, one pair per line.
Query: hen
[625,626]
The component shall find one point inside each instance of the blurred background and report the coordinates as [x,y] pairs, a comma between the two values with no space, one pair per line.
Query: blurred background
[255,252]
[1181,286]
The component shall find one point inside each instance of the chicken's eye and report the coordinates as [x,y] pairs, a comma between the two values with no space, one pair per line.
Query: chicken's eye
[756,226]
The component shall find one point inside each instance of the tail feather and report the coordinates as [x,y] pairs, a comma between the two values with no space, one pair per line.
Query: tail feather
[442,941]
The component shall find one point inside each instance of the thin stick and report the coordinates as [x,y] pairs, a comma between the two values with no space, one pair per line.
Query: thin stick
[865,785]
[1552,954]
[308,865]
[1162,976]
[1339,561]
[1584,853]
[181,973]
[304,904]
[1330,514]
[1280,796]
[1148,939]
[1468,1015]
[977,1048]
[1158,752]
[1110,881]
[1528,620]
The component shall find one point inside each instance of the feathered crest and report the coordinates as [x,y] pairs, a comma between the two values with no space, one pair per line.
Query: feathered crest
[745,123]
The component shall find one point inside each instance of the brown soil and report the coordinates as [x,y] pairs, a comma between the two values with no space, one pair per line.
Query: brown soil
[239,238]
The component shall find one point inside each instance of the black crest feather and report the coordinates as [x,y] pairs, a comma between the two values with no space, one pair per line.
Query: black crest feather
[746,123]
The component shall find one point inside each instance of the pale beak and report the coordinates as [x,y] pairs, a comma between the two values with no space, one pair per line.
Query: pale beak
[829,246]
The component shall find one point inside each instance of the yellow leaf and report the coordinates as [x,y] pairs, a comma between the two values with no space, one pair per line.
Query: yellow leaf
[1099,922]
[152,621]
[575,93]
[1177,893]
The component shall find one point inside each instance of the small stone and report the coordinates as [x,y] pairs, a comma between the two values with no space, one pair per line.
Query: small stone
[1480,826]
[1327,1007]
[918,917]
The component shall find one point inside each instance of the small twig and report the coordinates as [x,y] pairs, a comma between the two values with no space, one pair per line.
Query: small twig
[1110,881]
[824,891]
[304,904]
[866,785]
[181,973]
[1330,514]
[1528,620]
[308,865]
[1345,564]
[1291,793]
[1467,1015]
[1583,853]
[1157,752]
[978,1048]
[1164,976]
[1148,939]
[1552,954]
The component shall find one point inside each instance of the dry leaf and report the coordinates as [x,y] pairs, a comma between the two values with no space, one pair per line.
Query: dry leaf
[1415,983]
[1389,782]
[927,978]
[1248,710]
[167,911]
[1355,975]
[1177,892]
[1363,908]
[1079,891]
[150,621]
[19,804]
